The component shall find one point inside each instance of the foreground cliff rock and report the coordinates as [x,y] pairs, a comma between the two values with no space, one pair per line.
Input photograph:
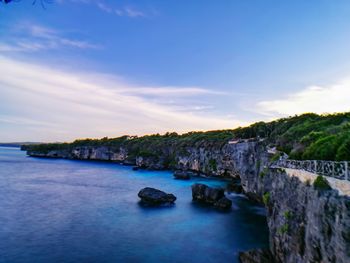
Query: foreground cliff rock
[306,224]
[256,256]
[152,196]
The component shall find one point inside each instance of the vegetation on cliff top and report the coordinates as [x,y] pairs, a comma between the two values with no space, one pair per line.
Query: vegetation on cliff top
[321,183]
[307,136]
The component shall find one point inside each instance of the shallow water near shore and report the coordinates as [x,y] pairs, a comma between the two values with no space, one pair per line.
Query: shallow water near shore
[56,210]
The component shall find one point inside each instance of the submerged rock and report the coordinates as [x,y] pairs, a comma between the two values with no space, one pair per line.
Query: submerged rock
[224,203]
[128,162]
[152,196]
[183,175]
[256,256]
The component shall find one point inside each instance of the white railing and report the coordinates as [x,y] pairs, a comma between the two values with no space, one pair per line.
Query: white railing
[338,170]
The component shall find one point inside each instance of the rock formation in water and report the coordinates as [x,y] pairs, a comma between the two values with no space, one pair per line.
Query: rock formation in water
[152,196]
[212,196]
[206,194]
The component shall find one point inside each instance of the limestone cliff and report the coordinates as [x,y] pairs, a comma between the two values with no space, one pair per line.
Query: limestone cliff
[209,159]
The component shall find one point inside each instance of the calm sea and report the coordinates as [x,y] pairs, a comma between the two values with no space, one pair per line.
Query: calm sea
[80,211]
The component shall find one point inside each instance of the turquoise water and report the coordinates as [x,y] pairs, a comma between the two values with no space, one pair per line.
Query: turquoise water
[55,210]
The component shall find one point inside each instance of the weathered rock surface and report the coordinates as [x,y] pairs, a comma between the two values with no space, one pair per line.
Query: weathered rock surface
[152,196]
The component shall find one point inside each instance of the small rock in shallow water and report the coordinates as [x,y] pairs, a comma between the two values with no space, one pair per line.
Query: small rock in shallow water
[224,203]
[135,168]
[183,175]
[152,196]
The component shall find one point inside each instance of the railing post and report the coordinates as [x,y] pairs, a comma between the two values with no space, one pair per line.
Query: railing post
[322,168]
[346,170]
[315,167]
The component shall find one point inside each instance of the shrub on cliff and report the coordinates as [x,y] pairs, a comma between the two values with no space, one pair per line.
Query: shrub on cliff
[212,164]
[263,172]
[266,198]
[321,183]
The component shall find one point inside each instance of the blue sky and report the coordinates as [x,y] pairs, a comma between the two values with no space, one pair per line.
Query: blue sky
[94,68]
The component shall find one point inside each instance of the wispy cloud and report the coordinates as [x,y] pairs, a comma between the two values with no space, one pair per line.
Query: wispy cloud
[126,11]
[55,105]
[35,37]
[130,12]
[122,11]
[171,91]
[318,99]
[104,7]
[54,39]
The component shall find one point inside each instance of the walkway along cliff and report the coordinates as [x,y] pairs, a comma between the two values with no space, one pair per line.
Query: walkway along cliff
[305,224]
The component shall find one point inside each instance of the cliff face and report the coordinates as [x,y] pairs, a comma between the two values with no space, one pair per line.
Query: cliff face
[306,225]
[214,160]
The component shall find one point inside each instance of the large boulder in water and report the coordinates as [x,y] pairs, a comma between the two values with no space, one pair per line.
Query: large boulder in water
[212,196]
[152,196]
[206,194]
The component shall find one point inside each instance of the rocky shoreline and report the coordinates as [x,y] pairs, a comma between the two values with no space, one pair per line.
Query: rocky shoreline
[305,224]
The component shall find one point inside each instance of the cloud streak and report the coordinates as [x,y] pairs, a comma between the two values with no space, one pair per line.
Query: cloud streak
[124,11]
[35,38]
[171,91]
[130,12]
[51,105]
